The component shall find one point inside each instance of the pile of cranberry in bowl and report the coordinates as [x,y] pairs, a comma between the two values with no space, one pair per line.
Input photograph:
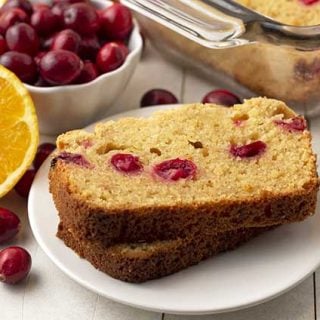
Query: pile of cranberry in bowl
[74,56]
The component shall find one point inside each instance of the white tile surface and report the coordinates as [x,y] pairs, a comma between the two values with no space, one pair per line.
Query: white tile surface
[106,309]
[12,297]
[51,295]
[294,305]
[154,72]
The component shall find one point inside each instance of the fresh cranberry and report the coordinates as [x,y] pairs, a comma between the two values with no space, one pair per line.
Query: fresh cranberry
[3,45]
[73,158]
[309,2]
[69,1]
[46,42]
[124,48]
[21,64]
[44,150]
[22,38]
[88,73]
[116,22]
[89,47]
[66,40]
[24,5]
[221,97]
[58,10]
[157,96]
[110,57]
[44,21]
[39,6]
[126,162]
[9,225]
[249,150]
[11,17]
[293,124]
[60,67]
[41,83]
[15,264]
[38,57]
[24,184]
[82,18]
[175,169]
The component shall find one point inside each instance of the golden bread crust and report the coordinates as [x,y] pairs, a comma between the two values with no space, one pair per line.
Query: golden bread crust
[141,262]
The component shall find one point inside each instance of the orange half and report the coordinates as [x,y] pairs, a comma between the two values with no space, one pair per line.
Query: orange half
[19,133]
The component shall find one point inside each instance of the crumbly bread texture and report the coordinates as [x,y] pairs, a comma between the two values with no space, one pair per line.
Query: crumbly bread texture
[276,187]
[293,12]
[140,262]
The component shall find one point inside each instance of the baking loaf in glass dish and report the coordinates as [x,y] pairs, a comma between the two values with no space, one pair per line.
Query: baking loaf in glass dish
[272,70]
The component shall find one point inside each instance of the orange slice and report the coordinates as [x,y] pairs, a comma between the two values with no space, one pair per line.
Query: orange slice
[19,134]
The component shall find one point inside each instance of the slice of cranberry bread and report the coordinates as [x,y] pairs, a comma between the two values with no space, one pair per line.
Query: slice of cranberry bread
[139,262]
[193,169]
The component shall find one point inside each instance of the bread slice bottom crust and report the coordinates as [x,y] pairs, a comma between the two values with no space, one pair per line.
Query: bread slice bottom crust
[139,262]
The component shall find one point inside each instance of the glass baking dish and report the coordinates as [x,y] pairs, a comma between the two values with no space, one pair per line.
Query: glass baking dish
[239,46]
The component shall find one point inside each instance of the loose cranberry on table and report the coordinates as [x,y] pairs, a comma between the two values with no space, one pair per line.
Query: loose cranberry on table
[24,184]
[158,96]
[44,150]
[24,5]
[82,18]
[23,38]
[44,21]
[60,67]
[21,64]
[221,97]
[66,40]
[9,225]
[15,264]
[88,73]
[11,17]
[110,57]
[116,22]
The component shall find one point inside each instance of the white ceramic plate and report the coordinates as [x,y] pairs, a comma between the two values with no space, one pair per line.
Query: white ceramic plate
[258,271]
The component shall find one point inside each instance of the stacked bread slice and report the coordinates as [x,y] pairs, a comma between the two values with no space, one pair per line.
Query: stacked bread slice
[143,198]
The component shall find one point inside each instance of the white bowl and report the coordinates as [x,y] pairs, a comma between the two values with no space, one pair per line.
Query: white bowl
[69,107]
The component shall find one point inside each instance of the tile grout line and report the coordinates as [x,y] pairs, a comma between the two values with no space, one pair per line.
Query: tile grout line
[315,297]
[26,285]
[95,307]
